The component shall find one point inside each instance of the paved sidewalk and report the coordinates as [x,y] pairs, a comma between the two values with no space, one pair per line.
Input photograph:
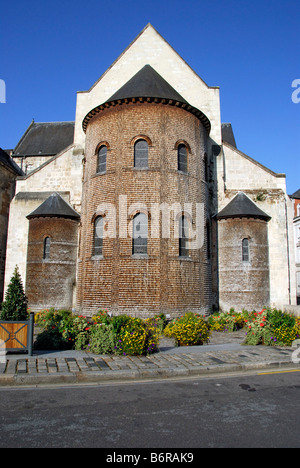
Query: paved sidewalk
[224,354]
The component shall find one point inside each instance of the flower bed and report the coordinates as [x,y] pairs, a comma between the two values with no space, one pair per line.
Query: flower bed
[100,334]
[188,330]
[269,326]
[128,335]
[226,321]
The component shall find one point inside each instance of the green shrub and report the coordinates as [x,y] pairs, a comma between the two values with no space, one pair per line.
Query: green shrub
[52,339]
[102,339]
[131,337]
[161,322]
[102,334]
[14,307]
[101,317]
[52,316]
[153,327]
[188,330]
[277,318]
[226,321]
[63,328]
[271,327]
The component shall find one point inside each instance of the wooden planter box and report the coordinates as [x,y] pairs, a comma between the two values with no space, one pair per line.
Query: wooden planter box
[17,336]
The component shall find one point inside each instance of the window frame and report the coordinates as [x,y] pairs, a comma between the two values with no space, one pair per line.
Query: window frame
[139,246]
[97,239]
[98,171]
[137,158]
[245,250]
[46,248]
[180,164]
[183,227]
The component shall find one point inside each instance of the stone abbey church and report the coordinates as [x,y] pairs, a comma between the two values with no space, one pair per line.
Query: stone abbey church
[107,208]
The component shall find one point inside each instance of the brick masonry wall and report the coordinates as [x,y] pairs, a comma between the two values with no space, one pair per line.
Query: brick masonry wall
[51,282]
[243,284]
[161,282]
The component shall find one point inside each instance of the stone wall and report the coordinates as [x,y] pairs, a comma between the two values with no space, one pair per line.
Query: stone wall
[236,172]
[151,48]
[62,174]
[243,284]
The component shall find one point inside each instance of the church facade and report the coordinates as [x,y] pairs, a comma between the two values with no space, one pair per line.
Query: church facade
[144,204]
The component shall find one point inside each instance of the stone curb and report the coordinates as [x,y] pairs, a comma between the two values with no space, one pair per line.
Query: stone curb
[82,377]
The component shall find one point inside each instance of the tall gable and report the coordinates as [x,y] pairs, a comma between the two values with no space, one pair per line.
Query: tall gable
[151,48]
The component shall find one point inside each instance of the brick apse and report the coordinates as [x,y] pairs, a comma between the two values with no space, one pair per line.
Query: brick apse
[156,276]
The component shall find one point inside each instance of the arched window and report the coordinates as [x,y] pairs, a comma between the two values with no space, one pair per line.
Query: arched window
[245,250]
[141,154]
[98,235]
[101,162]
[183,236]
[46,253]
[182,157]
[140,234]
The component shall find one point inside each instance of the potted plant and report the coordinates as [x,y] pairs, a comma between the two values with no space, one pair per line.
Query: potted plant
[16,324]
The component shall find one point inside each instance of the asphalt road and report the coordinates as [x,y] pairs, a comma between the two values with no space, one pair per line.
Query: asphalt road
[240,411]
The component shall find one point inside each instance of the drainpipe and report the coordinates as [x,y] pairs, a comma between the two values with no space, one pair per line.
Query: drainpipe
[288,250]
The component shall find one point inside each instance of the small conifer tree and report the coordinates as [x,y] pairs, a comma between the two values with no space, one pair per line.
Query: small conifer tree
[15,305]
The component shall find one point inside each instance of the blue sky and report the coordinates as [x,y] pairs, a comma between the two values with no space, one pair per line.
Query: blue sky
[51,50]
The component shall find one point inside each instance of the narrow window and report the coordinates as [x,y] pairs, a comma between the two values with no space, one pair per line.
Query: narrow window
[101,163]
[141,154]
[245,250]
[140,234]
[182,158]
[183,237]
[46,254]
[98,236]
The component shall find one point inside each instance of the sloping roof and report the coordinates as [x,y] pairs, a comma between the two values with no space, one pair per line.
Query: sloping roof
[54,206]
[147,84]
[296,195]
[227,134]
[45,138]
[242,207]
[9,163]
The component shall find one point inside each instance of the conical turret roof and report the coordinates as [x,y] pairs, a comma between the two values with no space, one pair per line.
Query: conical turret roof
[147,85]
[242,207]
[54,206]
